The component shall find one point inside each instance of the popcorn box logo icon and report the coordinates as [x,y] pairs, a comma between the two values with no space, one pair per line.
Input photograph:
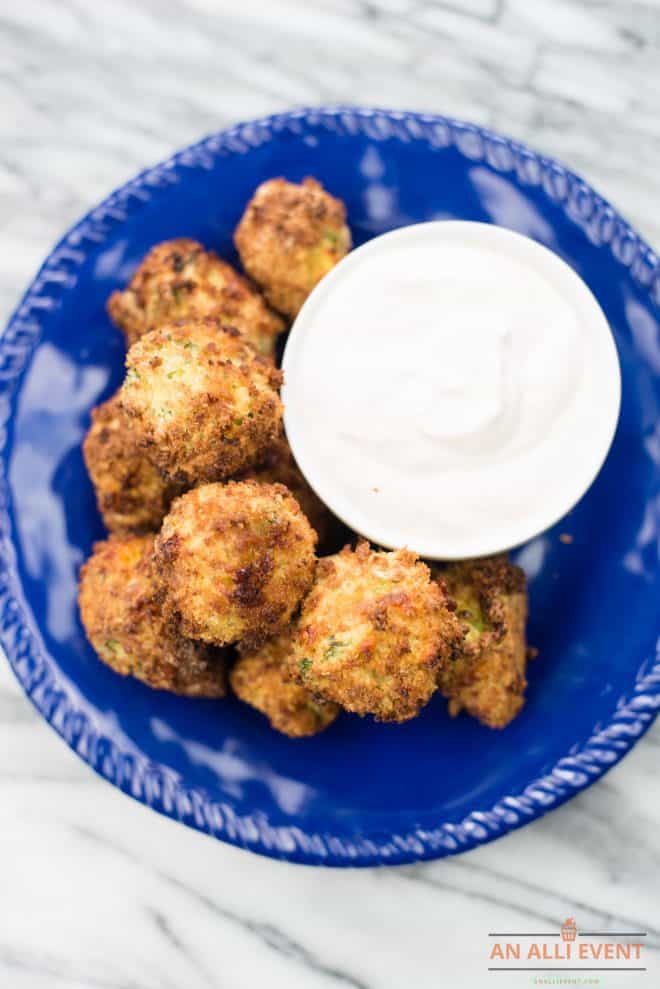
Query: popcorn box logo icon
[568,930]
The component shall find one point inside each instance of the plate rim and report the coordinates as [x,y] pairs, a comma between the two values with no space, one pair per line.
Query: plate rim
[154,784]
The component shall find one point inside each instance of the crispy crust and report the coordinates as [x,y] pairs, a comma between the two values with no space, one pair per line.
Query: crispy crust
[259,678]
[178,280]
[236,559]
[279,467]
[289,237]
[122,616]
[131,494]
[373,632]
[202,404]
[488,678]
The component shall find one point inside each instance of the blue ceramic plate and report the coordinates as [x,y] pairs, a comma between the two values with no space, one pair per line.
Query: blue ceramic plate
[361,793]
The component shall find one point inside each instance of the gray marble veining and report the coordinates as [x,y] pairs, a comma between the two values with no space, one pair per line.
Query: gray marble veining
[97,891]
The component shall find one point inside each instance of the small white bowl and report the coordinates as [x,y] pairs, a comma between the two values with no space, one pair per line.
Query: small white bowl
[463,426]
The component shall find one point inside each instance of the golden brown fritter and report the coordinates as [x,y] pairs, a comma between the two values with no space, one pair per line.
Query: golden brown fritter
[200,401]
[178,280]
[259,678]
[289,237]
[236,559]
[131,494]
[279,467]
[124,622]
[488,678]
[373,632]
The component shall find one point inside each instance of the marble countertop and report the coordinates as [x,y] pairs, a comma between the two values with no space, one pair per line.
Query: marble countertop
[96,890]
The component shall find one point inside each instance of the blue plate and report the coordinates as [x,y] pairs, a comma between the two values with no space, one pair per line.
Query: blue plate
[361,793]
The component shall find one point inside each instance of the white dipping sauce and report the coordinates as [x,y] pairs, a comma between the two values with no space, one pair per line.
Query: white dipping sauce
[452,387]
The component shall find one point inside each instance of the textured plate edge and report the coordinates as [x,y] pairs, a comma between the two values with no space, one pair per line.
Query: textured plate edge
[153,784]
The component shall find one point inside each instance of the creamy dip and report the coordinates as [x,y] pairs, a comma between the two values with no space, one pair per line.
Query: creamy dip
[452,387]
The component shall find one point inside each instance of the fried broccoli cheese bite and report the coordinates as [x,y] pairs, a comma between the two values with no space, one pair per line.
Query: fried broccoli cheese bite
[279,467]
[289,237]
[373,633]
[259,678]
[236,559]
[131,494]
[201,402]
[178,280]
[120,607]
[488,678]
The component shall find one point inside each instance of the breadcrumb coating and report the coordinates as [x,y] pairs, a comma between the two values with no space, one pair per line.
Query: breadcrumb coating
[260,679]
[289,237]
[373,633]
[488,678]
[131,494]
[178,280]
[236,560]
[279,467]
[202,404]
[122,615]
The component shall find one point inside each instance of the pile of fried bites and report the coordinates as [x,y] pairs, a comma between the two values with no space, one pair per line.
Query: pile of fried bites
[210,572]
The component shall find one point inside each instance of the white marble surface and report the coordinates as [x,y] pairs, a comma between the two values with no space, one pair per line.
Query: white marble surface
[95,890]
